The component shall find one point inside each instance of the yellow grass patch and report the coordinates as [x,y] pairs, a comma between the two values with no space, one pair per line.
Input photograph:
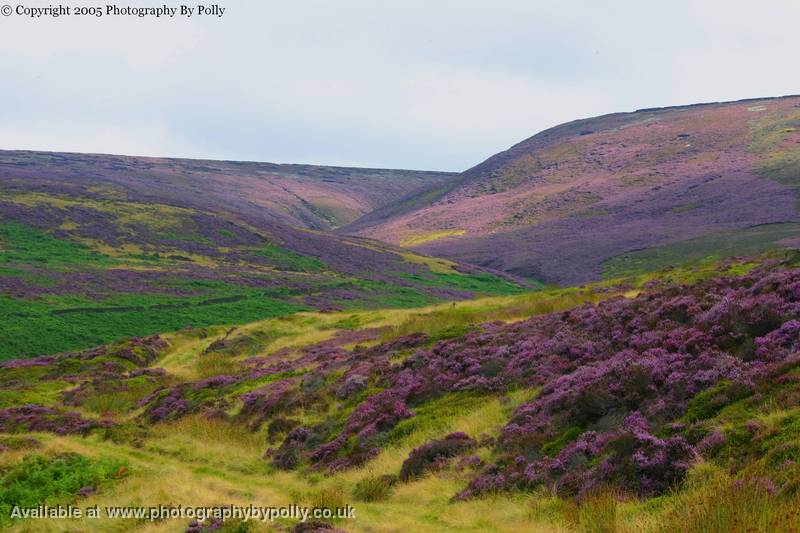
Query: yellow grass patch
[416,240]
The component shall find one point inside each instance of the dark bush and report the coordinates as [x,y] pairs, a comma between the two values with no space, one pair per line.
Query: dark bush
[280,426]
[429,455]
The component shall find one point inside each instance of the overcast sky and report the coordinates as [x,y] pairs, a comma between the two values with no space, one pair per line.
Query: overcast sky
[428,84]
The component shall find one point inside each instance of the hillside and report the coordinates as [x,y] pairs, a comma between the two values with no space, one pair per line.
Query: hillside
[198,333]
[661,403]
[306,196]
[614,194]
[94,248]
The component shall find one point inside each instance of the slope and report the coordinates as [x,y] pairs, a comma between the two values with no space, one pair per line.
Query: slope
[308,196]
[662,403]
[613,193]
[93,248]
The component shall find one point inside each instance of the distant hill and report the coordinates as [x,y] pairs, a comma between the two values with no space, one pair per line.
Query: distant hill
[94,248]
[616,194]
[307,196]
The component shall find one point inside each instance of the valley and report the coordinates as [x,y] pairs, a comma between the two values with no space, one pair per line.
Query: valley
[596,330]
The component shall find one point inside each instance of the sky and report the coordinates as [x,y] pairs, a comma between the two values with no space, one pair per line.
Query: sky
[422,84]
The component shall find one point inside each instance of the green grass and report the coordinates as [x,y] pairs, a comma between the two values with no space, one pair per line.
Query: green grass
[552,448]
[53,323]
[49,481]
[455,320]
[375,295]
[21,244]
[120,400]
[783,167]
[285,259]
[61,324]
[480,284]
[436,416]
[33,279]
[707,249]
[416,240]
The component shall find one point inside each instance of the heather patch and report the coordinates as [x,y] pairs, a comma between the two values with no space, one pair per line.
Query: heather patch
[627,387]
[435,455]
[35,418]
[558,205]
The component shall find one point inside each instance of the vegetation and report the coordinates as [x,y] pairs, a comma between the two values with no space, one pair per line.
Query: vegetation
[191,414]
[39,480]
[708,250]
[67,290]
[207,352]
[287,260]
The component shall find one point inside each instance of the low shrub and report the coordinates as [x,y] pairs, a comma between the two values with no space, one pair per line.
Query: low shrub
[374,488]
[40,418]
[432,454]
[280,426]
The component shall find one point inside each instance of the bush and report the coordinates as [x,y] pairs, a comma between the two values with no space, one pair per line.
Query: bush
[280,426]
[430,455]
[39,418]
[328,498]
[374,488]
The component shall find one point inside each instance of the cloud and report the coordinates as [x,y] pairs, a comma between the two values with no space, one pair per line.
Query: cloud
[415,84]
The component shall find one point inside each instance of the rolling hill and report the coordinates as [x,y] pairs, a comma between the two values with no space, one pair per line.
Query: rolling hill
[201,345]
[307,196]
[615,194]
[93,248]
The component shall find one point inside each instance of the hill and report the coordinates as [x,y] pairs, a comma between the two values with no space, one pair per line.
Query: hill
[93,248]
[615,194]
[197,350]
[667,402]
[306,196]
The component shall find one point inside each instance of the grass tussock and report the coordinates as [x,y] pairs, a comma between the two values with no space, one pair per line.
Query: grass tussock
[214,364]
[714,501]
[373,488]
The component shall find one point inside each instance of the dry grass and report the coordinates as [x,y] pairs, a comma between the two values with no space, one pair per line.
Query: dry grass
[453,319]
[202,461]
[715,502]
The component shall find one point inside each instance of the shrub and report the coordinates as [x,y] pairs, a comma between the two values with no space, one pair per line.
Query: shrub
[374,488]
[218,526]
[280,426]
[39,418]
[430,455]
[328,498]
